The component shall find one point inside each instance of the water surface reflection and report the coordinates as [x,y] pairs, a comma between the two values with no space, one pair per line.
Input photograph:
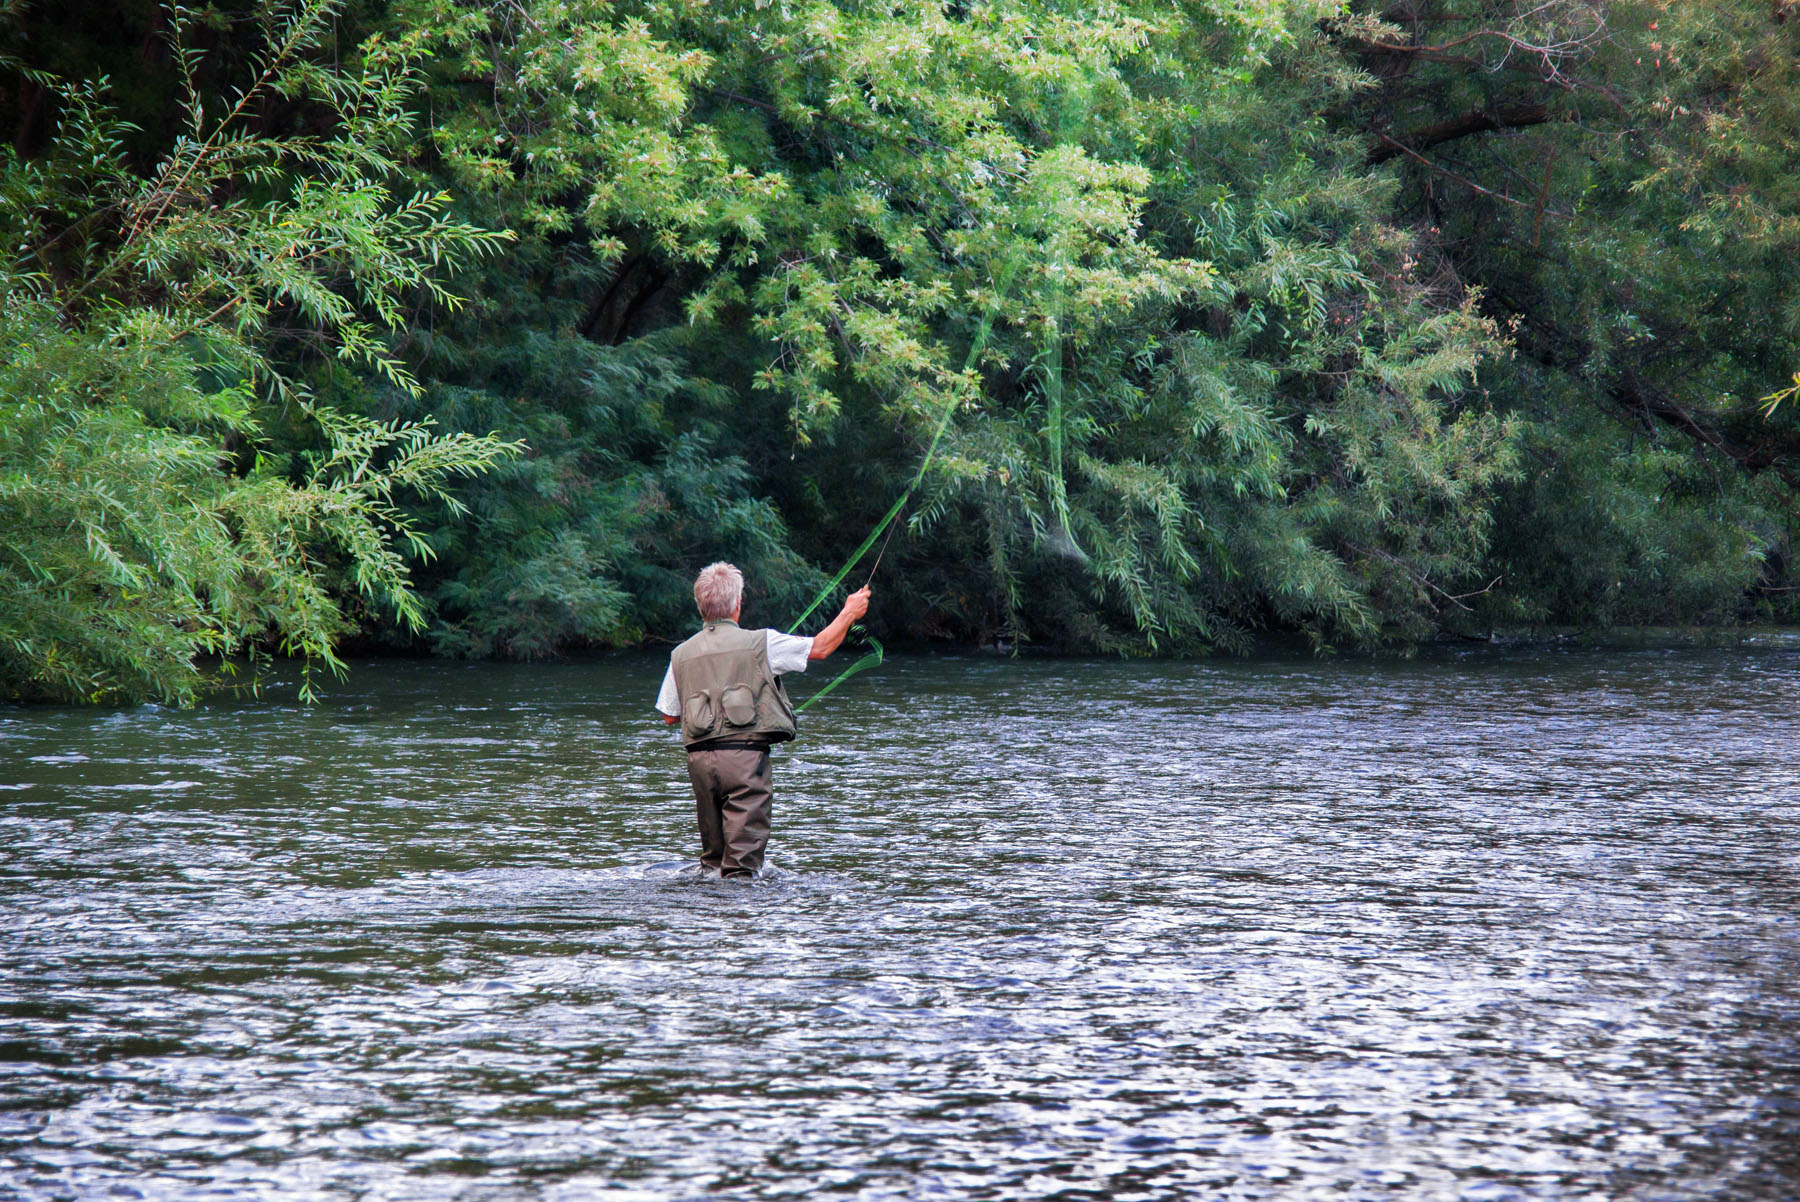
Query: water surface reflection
[1482,926]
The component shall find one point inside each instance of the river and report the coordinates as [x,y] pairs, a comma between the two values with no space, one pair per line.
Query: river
[1502,924]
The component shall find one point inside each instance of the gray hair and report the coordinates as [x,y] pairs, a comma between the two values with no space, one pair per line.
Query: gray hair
[718,590]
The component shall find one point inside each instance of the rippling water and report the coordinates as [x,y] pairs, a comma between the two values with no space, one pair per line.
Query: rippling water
[1494,926]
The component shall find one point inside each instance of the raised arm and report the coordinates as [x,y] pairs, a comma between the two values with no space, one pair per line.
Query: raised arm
[832,637]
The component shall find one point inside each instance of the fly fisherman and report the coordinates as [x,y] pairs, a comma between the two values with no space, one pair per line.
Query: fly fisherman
[724,687]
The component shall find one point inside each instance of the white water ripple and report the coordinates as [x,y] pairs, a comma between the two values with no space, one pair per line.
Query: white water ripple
[1490,926]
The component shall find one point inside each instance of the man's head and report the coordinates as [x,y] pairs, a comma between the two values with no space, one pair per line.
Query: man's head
[719,591]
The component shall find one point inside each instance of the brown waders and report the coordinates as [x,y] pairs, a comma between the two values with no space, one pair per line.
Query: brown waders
[731,799]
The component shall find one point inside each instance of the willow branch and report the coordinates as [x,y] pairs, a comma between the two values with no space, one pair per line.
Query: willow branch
[1401,148]
[1476,121]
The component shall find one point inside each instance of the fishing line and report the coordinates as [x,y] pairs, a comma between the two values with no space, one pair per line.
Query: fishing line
[884,529]
[1053,374]
[1002,286]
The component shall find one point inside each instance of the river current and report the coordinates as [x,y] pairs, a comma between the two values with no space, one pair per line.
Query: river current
[1485,926]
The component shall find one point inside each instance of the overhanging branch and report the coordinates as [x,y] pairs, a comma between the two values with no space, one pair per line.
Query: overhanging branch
[1400,148]
[1476,121]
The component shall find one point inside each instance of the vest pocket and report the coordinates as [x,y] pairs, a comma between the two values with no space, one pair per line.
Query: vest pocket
[739,704]
[698,711]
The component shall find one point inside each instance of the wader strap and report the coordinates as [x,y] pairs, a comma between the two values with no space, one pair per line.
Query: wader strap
[728,746]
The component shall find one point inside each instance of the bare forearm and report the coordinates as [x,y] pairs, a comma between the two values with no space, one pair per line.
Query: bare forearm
[830,638]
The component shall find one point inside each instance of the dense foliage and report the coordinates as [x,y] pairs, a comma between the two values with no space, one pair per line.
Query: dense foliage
[1622,180]
[1372,322]
[151,512]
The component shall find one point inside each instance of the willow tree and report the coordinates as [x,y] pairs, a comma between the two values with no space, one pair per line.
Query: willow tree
[169,486]
[1197,381]
[1621,178]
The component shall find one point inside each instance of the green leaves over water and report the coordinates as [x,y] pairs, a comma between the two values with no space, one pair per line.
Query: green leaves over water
[1170,343]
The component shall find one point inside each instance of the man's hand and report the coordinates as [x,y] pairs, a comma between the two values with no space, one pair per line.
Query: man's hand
[857,603]
[830,638]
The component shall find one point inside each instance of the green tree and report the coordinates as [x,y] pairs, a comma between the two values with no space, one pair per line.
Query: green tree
[1195,382]
[170,487]
[1619,177]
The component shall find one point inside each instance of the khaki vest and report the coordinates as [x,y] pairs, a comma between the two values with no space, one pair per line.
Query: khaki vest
[726,690]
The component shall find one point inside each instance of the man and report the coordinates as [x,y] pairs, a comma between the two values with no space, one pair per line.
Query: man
[724,687]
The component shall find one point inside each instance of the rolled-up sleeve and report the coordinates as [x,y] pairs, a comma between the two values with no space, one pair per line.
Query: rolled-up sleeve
[788,652]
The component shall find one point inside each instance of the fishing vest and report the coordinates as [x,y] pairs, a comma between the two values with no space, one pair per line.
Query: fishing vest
[726,690]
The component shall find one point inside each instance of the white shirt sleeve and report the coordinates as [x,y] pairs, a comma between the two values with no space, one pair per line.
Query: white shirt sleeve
[787,652]
[666,701]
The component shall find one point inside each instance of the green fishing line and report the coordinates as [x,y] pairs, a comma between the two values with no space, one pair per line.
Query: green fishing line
[872,659]
[875,658]
[1003,285]
[1070,118]
[1053,350]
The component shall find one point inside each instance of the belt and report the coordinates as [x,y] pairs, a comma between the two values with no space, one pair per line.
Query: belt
[738,746]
